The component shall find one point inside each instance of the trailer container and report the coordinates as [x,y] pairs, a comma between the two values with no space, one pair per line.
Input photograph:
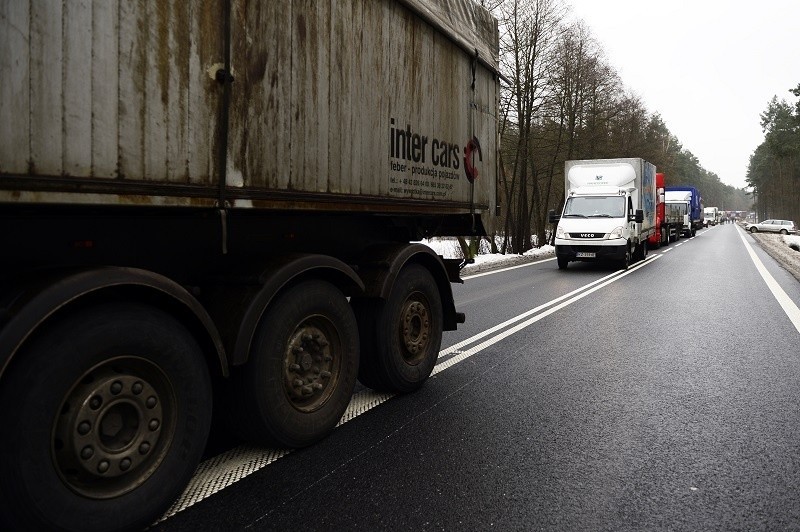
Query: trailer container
[214,204]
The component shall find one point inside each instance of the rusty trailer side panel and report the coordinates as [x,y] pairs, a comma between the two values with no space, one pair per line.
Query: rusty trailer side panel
[116,90]
[365,105]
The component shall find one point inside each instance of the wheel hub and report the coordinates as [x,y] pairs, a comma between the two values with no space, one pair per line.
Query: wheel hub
[309,367]
[110,424]
[415,328]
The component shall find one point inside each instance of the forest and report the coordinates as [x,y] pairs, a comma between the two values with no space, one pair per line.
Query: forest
[774,169]
[562,100]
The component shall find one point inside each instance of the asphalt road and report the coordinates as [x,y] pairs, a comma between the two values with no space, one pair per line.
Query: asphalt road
[662,398]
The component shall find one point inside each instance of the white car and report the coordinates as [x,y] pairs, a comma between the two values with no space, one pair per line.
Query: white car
[784,227]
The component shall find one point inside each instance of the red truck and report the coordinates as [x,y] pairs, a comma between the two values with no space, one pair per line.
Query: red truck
[669,219]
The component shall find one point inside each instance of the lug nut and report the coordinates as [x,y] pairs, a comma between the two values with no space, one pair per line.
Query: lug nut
[154,424]
[87,452]
[84,427]
[125,464]
[144,448]
[151,402]
[116,387]
[137,387]
[102,467]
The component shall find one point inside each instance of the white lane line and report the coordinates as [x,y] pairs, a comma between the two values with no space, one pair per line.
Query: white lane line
[508,332]
[784,300]
[221,471]
[487,332]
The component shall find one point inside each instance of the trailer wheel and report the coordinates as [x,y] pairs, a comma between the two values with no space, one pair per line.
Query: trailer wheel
[103,420]
[302,368]
[401,337]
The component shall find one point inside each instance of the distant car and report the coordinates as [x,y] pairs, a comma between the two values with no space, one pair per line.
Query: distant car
[784,227]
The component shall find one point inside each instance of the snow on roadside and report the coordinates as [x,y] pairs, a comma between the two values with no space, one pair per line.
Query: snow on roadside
[450,249]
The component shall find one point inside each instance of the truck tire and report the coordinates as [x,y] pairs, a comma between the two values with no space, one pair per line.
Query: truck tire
[104,418]
[626,260]
[643,250]
[302,368]
[401,337]
[562,263]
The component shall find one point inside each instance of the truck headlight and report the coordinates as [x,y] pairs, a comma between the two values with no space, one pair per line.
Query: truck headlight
[616,233]
[560,232]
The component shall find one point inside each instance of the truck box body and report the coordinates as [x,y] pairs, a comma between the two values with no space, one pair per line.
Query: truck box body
[690,197]
[334,105]
[603,196]
[215,205]
[710,216]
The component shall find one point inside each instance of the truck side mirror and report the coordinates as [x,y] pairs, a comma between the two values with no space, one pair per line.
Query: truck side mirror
[639,217]
[552,217]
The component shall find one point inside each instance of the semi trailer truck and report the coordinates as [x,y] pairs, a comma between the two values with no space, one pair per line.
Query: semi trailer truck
[669,218]
[211,207]
[609,212]
[690,200]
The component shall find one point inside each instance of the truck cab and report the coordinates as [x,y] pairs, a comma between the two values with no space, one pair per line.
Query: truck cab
[597,223]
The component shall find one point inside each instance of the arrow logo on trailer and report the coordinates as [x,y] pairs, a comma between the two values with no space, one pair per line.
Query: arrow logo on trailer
[469,168]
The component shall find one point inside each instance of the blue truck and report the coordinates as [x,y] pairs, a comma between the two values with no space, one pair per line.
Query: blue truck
[689,196]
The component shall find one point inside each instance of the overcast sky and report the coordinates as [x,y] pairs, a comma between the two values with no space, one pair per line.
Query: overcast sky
[709,67]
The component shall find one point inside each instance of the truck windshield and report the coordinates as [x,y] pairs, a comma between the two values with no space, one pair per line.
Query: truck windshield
[595,206]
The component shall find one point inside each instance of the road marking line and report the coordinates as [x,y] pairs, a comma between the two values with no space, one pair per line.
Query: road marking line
[223,470]
[508,332]
[783,299]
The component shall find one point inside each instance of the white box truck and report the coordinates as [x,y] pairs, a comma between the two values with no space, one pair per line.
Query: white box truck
[710,216]
[609,212]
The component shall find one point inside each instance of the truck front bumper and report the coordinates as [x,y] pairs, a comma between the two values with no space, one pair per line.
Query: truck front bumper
[574,251]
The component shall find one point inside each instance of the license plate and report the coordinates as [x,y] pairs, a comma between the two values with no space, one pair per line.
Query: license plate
[585,255]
